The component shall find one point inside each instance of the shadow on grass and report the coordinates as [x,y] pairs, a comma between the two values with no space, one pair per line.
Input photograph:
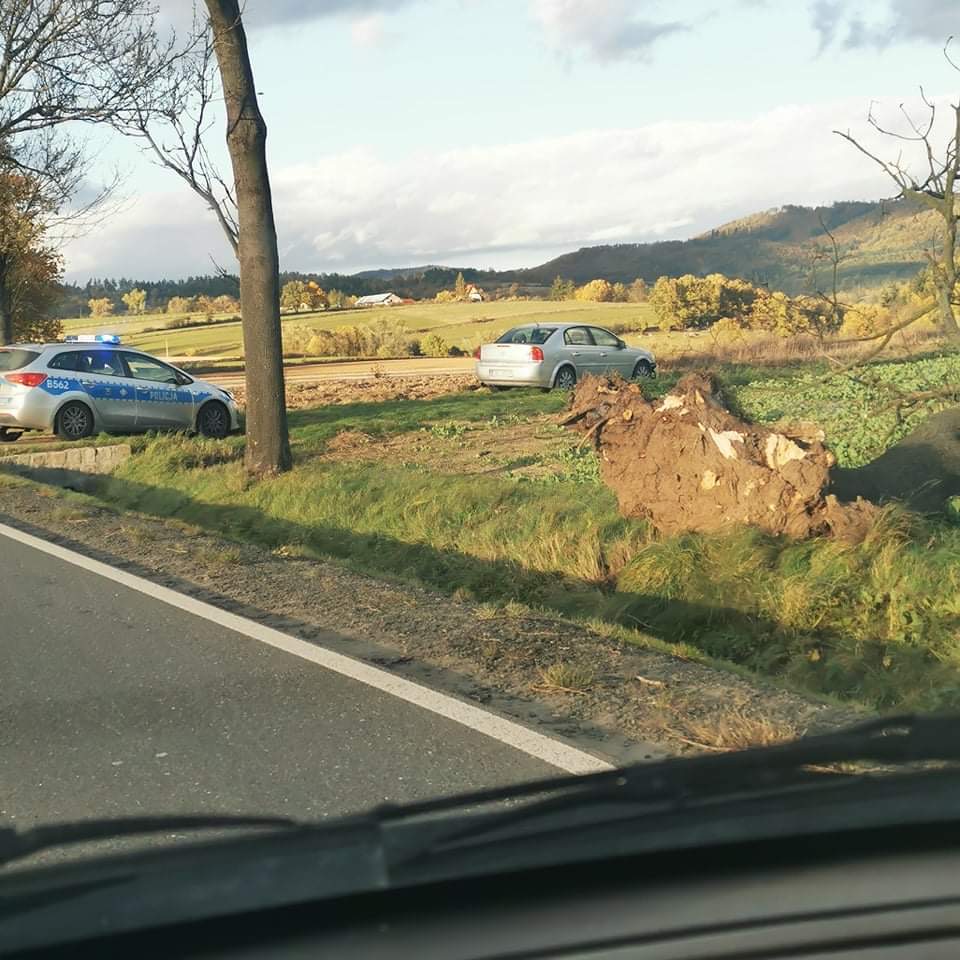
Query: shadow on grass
[843,666]
[921,471]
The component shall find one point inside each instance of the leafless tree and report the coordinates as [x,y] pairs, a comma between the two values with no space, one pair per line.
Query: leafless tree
[64,61]
[934,187]
[174,117]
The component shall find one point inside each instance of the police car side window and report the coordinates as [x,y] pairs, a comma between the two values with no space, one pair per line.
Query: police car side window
[146,368]
[103,363]
[64,361]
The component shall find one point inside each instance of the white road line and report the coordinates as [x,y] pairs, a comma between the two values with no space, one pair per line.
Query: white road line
[506,731]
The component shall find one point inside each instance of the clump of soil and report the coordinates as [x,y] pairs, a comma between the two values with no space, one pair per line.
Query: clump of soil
[686,463]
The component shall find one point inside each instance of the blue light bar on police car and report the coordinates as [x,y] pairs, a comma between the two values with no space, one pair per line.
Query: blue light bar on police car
[92,338]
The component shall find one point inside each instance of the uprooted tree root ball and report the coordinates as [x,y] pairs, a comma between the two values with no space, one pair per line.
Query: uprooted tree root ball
[686,463]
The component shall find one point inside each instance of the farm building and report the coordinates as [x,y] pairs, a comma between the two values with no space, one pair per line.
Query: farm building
[474,293]
[379,300]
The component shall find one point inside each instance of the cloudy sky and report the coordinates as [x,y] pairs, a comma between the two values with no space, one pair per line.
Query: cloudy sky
[500,133]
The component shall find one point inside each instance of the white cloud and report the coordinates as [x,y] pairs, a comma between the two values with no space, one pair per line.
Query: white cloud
[275,12]
[258,14]
[514,204]
[370,32]
[896,21]
[601,29]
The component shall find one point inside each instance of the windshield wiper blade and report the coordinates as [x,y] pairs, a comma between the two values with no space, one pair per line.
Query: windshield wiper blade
[18,844]
[891,743]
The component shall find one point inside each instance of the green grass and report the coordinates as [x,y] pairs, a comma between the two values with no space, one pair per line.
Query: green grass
[855,412]
[877,623]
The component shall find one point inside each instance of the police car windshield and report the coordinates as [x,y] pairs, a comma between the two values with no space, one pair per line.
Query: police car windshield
[15,359]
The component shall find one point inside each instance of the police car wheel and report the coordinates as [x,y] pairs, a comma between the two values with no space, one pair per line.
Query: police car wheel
[213,421]
[74,421]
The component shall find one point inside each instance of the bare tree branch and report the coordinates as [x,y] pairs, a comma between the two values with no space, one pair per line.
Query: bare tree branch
[174,116]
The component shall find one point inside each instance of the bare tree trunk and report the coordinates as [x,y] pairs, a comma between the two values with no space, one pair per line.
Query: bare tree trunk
[268,444]
[945,273]
[6,307]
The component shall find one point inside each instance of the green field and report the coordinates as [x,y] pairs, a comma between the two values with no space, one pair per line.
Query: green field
[461,324]
[482,495]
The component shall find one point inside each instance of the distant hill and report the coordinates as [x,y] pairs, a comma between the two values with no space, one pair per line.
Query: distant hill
[394,273]
[879,243]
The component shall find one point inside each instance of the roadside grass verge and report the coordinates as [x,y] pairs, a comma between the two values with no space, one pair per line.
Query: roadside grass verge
[877,623]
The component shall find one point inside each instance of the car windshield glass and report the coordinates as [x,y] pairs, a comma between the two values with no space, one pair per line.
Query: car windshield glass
[535,335]
[15,359]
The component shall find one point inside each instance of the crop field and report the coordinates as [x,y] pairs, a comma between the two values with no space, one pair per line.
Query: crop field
[460,324]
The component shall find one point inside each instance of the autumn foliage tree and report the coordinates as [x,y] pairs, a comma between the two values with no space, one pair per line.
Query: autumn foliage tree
[135,300]
[30,266]
[298,295]
[691,302]
[562,289]
[100,307]
[598,291]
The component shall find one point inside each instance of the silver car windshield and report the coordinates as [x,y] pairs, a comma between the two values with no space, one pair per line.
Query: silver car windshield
[537,335]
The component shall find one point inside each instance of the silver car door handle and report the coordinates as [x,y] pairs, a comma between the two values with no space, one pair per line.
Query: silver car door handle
[574,353]
[88,383]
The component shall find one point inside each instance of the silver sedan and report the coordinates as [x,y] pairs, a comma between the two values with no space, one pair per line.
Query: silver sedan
[557,355]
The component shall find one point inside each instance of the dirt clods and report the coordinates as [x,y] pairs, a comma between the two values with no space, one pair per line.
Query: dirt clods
[686,463]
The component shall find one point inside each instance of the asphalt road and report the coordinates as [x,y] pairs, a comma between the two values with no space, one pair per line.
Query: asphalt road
[114,703]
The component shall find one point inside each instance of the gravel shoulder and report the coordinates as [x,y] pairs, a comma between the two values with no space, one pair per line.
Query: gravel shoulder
[591,687]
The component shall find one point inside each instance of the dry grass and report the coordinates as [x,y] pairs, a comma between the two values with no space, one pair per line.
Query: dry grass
[565,677]
[767,349]
[217,557]
[735,729]
[71,514]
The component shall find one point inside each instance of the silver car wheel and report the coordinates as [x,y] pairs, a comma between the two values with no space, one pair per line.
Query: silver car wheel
[566,379]
[642,370]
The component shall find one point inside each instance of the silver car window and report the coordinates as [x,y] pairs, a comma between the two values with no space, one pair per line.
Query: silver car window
[603,338]
[537,335]
[103,363]
[577,337]
[69,360]
[15,359]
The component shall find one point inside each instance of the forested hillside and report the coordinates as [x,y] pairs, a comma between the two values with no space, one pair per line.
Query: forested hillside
[785,249]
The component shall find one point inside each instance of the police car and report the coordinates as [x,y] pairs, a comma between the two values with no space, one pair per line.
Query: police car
[92,383]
